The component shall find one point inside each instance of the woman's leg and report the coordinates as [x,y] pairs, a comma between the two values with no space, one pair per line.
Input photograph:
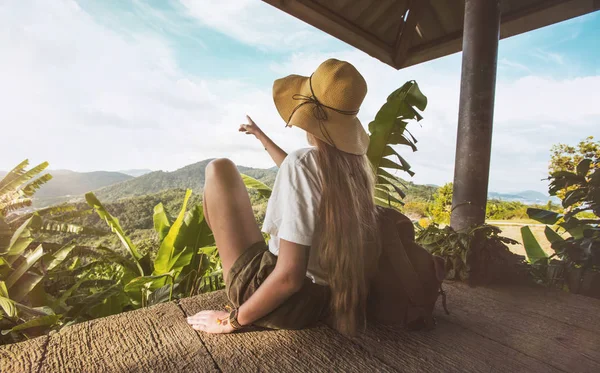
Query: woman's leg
[228,211]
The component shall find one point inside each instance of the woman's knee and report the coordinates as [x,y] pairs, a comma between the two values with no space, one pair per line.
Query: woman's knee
[220,168]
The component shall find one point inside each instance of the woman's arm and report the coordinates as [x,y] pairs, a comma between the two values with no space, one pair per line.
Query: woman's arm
[276,153]
[286,279]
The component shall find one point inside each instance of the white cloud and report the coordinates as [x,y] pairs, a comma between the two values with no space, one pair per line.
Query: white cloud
[256,23]
[84,97]
[505,63]
[549,56]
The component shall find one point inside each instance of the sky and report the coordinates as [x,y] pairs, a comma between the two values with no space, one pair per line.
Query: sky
[111,85]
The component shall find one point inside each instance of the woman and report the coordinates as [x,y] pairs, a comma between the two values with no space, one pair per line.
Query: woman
[321,215]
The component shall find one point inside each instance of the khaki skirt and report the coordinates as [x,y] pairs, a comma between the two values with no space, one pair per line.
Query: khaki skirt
[302,309]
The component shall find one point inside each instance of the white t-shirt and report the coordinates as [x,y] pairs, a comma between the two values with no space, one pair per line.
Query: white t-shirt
[293,207]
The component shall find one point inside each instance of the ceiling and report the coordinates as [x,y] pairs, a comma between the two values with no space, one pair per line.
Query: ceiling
[402,33]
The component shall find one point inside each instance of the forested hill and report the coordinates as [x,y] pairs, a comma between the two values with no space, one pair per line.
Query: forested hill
[191,176]
[65,182]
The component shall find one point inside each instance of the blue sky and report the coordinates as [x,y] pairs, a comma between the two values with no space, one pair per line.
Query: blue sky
[108,85]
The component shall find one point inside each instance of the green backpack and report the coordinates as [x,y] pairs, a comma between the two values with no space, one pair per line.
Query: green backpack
[408,280]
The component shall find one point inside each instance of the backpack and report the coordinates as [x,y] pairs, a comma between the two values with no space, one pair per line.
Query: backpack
[408,280]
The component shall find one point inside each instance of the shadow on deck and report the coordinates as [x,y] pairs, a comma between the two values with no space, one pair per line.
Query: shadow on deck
[488,330]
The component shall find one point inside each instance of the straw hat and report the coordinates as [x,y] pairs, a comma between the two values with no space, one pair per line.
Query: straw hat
[325,104]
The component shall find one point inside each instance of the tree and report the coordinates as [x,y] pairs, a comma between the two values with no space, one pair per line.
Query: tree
[442,204]
[566,158]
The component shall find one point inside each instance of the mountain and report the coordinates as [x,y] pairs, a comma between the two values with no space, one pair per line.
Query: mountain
[135,172]
[66,184]
[191,176]
[528,197]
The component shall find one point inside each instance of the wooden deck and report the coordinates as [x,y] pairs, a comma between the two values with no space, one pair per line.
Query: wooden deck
[489,330]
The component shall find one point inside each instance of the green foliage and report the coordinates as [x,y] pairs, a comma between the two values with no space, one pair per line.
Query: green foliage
[579,187]
[17,186]
[179,262]
[191,176]
[23,266]
[442,204]
[479,255]
[567,158]
[74,283]
[505,210]
[532,247]
[387,129]
[582,248]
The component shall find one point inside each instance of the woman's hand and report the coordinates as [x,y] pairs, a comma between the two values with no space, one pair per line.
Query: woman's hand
[211,322]
[251,128]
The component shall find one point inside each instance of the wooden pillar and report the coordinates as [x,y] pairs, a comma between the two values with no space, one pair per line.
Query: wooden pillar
[476,112]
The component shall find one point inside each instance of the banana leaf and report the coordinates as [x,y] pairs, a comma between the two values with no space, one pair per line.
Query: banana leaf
[162,294]
[544,216]
[532,247]
[48,320]
[17,179]
[54,260]
[161,221]
[114,225]
[25,286]
[167,254]
[552,236]
[139,283]
[22,237]
[30,189]
[389,128]
[30,259]
[7,304]
[251,183]
[16,172]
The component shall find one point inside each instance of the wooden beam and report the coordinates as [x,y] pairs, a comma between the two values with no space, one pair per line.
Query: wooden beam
[513,23]
[389,27]
[337,26]
[408,31]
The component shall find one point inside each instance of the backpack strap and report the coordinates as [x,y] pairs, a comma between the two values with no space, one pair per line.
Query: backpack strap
[401,263]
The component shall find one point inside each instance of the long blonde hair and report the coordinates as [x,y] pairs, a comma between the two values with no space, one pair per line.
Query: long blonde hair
[346,233]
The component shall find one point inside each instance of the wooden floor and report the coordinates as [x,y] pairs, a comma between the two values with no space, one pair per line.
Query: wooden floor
[488,330]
